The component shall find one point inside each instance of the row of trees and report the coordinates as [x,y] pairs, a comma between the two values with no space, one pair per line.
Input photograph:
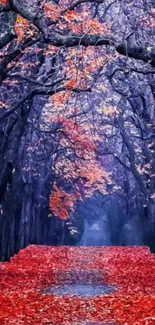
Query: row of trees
[77,112]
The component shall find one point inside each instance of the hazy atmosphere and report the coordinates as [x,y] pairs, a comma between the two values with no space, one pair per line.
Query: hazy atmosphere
[77,151]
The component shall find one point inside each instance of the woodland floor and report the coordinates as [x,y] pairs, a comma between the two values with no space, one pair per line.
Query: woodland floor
[78,286]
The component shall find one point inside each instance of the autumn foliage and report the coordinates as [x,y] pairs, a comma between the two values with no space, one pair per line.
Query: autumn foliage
[72,20]
[77,109]
[77,167]
[3,1]
[129,269]
[67,74]
[23,28]
[61,202]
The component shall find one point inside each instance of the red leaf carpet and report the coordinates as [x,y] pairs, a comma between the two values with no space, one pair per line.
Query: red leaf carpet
[23,281]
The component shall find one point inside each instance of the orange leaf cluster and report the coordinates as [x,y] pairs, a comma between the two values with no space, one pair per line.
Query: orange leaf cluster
[71,83]
[61,202]
[60,99]
[51,50]
[52,10]
[23,28]
[80,23]
[79,65]
[76,136]
[82,171]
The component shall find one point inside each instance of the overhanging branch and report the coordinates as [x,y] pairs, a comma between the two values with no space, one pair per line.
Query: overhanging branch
[39,92]
[125,48]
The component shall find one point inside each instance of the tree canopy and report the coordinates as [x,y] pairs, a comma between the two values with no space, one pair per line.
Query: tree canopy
[77,92]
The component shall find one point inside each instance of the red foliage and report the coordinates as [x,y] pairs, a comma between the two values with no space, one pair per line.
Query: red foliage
[131,269]
[61,202]
[83,172]
[23,28]
[71,83]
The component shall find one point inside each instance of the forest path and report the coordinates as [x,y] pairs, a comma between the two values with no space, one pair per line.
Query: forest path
[78,286]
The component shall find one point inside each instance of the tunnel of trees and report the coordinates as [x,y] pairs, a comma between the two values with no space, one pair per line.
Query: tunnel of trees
[77,132]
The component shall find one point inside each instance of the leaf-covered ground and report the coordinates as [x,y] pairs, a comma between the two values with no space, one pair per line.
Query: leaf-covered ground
[23,282]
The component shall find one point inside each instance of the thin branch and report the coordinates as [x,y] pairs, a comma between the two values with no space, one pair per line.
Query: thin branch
[37,92]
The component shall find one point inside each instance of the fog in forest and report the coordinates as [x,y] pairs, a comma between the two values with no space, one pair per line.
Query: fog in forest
[77,92]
